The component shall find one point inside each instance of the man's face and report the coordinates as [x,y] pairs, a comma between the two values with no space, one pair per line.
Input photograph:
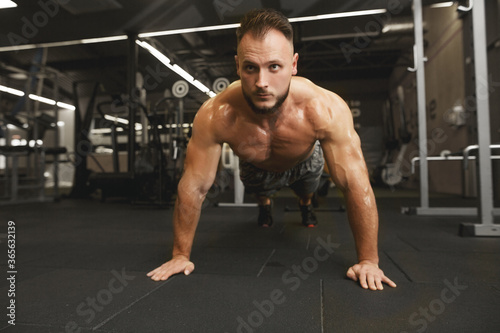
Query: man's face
[265,67]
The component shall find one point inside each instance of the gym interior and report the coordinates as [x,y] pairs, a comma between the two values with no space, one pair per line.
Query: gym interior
[87,198]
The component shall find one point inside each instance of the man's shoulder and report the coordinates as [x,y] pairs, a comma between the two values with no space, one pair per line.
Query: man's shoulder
[310,92]
[218,113]
[222,105]
[313,97]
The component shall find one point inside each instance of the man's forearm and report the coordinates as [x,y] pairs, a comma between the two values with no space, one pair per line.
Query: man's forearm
[363,219]
[186,216]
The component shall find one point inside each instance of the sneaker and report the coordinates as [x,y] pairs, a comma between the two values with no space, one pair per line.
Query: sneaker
[308,216]
[265,216]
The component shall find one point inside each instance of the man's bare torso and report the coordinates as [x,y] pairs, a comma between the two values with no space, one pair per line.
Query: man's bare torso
[276,142]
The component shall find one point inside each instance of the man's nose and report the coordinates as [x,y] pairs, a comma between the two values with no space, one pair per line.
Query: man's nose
[262,81]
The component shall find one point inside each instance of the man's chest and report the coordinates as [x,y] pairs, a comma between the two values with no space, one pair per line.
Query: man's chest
[274,147]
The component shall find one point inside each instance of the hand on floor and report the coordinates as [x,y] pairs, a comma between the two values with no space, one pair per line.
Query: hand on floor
[176,265]
[369,275]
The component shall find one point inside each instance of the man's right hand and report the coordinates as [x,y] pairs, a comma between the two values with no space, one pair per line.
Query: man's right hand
[178,264]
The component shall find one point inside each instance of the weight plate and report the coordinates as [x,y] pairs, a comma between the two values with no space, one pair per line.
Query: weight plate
[220,84]
[180,89]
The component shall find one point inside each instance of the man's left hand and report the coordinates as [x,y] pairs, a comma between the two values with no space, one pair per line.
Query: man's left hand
[369,275]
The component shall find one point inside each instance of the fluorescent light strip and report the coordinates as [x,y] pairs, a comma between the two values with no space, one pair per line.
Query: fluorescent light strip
[188,30]
[138,126]
[7,4]
[12,91]
[236,25]
[42,99]
[103,39]
[65,43]
[116,119]
[160,56]
[66,106]
[201,86]
[442,4]
[176,68]
[185,75]
[338,15]
[49,101]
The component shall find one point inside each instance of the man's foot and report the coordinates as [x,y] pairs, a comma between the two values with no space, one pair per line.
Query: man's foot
[265,216]
[308,216]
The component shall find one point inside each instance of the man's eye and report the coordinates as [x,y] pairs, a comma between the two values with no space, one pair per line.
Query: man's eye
[249,68]
[275,67]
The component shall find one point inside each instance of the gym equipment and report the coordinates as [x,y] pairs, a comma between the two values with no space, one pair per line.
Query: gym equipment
[175,137]
[486,209]
[231,161]
[391,172]
[83,144]
[180,89]
[220,84]
[32,179]
[464,156]
[149,182]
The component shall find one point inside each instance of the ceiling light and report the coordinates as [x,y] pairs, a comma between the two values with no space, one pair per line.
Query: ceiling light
[188,30]
[7,4]
[64,43]
[182,73]
[236,25]
[116,119]
[201,86]
[174,67]
[160,56]
[442,4]
[103,39]
[66,106]
[42,99]
[395,27]
[11,91]
[338,15]
[49,101]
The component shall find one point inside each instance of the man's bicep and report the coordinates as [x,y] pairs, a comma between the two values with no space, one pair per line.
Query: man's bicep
[201,163]
[342,149]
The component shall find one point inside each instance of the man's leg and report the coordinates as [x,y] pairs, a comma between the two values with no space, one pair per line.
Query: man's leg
[306,210]
[265,211]
[306,200]
[305,184]
[263,184]
[263,200]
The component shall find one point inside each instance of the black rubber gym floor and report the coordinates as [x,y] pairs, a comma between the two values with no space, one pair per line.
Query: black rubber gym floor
[81,267]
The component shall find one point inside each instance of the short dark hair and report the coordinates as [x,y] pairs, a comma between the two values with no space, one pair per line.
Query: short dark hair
[260,21]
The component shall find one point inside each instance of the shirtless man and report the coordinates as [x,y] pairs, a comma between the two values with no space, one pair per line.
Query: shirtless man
[272,120]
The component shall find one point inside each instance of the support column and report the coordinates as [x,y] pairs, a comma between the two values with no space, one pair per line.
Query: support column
[132,106]
[486,227]
[421,102]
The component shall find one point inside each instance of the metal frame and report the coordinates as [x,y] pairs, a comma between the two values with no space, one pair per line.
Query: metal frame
[486,210]
[239,188]
[451,211]
[37,153]
[487,226]
[419,69]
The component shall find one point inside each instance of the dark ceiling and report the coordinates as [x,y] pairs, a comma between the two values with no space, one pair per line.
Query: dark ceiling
[348,48]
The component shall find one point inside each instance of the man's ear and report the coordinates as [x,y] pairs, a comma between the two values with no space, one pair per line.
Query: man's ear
[237,65]
[294,64]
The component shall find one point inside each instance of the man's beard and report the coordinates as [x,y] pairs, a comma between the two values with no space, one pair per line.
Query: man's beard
[268,111]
